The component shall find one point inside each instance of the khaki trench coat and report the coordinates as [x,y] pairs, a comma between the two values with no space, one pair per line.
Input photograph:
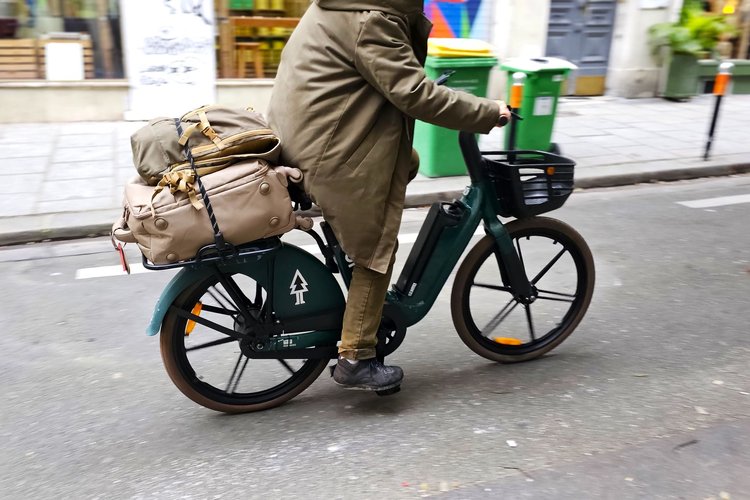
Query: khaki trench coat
[348,89]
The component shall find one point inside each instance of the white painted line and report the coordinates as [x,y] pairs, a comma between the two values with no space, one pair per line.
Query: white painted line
[109,271]
[717,202]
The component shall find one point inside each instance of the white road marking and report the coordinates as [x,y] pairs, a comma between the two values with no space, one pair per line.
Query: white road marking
[716,202]
[108,271]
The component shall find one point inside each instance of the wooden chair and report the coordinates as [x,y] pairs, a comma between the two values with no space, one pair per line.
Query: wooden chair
[234,53]
[18,59]
[245,49]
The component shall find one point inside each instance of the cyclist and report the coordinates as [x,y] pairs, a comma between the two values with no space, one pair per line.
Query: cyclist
[348,89]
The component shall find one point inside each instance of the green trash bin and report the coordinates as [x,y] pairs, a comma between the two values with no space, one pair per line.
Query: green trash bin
[541,92]
[439,153]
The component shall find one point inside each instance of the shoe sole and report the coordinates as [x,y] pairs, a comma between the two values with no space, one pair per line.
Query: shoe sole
[367,387]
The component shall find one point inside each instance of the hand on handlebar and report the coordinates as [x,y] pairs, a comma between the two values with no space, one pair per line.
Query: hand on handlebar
[504,114]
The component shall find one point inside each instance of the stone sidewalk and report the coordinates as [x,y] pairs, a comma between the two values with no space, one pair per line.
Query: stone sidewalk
[64,180]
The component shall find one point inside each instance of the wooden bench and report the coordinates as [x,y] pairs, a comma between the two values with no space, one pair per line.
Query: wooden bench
[18,59]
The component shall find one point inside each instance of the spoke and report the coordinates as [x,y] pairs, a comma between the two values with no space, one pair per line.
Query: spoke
[556,299]
[286,365]
[569,295]
[218,301]
[548,266]
[238,296]
[493,287]
[237,381]
[210,344]
[504,312]
[531,322]
[203,321]
[557,296]
[234,372]
[219,310]
[230,286]
[232,379]
[234,291]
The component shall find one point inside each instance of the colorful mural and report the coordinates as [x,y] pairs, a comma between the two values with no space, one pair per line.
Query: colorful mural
[460,18]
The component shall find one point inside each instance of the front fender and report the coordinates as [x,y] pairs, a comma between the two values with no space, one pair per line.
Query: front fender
[303,287]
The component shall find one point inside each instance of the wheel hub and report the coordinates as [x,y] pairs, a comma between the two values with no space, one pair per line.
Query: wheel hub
[530,299]
[241,327]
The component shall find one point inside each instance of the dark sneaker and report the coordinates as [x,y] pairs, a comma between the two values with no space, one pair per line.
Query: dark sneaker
[368,375]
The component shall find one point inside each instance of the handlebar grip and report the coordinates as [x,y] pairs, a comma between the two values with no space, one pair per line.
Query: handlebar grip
[503,121]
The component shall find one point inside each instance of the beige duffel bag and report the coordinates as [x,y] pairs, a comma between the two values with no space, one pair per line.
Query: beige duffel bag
[249,199]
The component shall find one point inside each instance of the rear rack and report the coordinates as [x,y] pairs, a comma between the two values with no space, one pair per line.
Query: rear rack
[211,253]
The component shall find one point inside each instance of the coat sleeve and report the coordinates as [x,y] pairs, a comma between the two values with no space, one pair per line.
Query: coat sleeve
[385,58]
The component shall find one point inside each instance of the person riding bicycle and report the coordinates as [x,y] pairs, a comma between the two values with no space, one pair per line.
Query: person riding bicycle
[350,84]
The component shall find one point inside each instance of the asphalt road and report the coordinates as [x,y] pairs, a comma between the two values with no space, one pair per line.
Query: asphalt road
[649,398]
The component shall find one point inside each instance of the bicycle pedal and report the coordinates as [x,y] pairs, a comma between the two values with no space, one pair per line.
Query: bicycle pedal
[388,392]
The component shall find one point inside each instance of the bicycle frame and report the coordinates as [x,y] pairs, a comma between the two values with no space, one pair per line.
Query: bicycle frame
[478,204]
[275,270]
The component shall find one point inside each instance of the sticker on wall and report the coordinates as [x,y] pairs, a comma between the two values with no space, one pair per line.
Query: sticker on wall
[543,106]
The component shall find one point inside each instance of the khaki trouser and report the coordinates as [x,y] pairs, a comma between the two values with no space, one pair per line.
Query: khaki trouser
[364,308]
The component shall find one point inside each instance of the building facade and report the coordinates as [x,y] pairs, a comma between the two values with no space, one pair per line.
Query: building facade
[96,79]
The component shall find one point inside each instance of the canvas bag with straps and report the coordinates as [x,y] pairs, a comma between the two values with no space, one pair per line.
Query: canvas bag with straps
[218,135]
[249,197]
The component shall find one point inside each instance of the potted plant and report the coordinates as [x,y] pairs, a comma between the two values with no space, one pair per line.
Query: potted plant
[680,44]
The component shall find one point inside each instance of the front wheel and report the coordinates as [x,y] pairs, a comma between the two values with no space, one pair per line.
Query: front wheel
[499,327]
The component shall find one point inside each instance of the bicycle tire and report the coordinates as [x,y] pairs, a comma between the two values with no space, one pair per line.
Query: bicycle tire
[501,351]
[183,374]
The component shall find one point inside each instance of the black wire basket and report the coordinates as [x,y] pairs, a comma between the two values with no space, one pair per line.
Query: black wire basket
[529,183]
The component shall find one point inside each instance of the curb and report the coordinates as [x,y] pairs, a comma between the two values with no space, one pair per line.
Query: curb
[61,226]
[667,175]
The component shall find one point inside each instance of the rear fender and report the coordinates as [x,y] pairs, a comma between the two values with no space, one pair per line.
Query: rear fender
[304,288]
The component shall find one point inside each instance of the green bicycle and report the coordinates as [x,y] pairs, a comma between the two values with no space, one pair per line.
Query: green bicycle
[275,310]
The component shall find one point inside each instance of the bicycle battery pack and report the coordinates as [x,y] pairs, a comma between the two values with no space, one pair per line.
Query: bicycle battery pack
[440,216]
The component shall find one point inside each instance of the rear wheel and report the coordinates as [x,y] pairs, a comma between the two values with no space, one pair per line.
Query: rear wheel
[208,366]
[496,325]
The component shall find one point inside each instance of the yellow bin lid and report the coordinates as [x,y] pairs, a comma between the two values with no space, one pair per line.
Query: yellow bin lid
[458,47]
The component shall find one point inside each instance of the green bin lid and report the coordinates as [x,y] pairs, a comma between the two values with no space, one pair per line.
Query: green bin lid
[460,62]
[538,65]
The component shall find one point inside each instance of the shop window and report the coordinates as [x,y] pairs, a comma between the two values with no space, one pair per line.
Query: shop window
[83,34]
[252,34]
